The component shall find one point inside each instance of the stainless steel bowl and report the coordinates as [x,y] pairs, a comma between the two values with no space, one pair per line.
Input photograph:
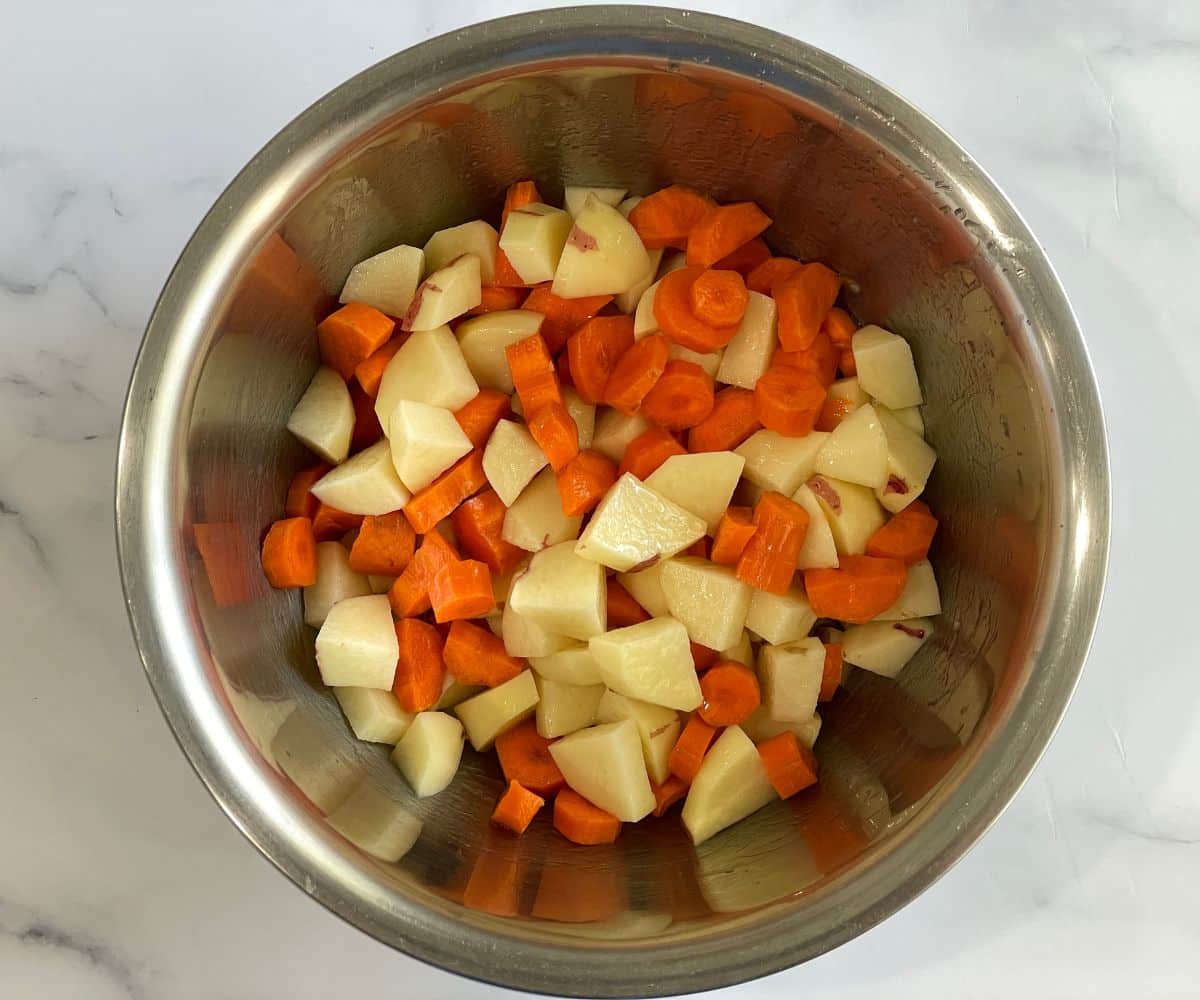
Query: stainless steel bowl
[914,769]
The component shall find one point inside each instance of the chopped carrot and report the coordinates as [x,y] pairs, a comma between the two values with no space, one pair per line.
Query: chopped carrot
[479,523]
[495,884]
[730,692]
[479,417]
[788,401]
[452,487]
[861,588]
[769,559]
[820,359]
[367,428]
[688,753]
[516,808]
[525,757]
[732,421]
[584,480]
[846,364]
[369,371]
[723,230]
[702,656]
[593,352]
[804,300]
[329,523]
[635,373]
[289,553]
[622,609]
[648,451]
[494,298]
[907,536]
[300,502]
[667,217]
[700,548]
[791,766]
[770,272]
[409,594]
[719,298]
[533,373]
[746,257]
[561,318]
[504,275]
[677,319]
[461,589]
[839,327]
[682,396]
[562,368]
[554,429]
[834,410]
[351,335]
[581,822]
[420,669]
[384,545]
[518,195]
[831,673]
[734,532]
[474,655]
[668,793]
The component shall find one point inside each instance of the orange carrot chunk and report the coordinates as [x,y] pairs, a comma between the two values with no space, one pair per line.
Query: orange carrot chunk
[673,310]
[384,546]
[584,480]
[593,352]
[475,656]
[581,822]
[635,373]
[861,588]
[791,766]
[831,673]
[839,327]
[731,421]
[667,217]
[769,559]
[493,298]
[820,359]
[525,757]
[479,524]
[452,487]
[289,553]
[723,230]
[300,502]
[689,750]
[369,372]
[734,532]
[746,257]
[420,669]
[479,417]
[770,272]
[719,298]
[702,656]
[553,428]
[367,429]
[648,451]
[504,275]
[409,594]
[516,808]
[846,364]
[519,194]
[907,536]
[461,589]
[834,410]
[681,398]
[330,524]
[623,610]
[561,318]
[730,692]
[788,401]
[804,300]
[668,793]
[351,335]
[533,373]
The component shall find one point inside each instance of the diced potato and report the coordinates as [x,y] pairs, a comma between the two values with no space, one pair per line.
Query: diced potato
[454,692]
[564,708]
[356,646]
[741,651]
[604,764]
[374,715]
[633,525]
[336,581]
[909,416]
[629,204]
[628,301]
[760,726]
[536,519]
[920,598]
[780,618]
[708,600]
[376,823]
[573,665]
[702,484]
[584,415]
[425,441]
[852,512]
[446,294]
[533,239]
[709,362]
[909,462]
[885,367]
[646,587]
[819,550]
[658,729]
[603,254]
[562,593]
[386,281]
[323,420]
[780,463]
[429,368]
[428,754]
[574,197]
[523,638]
[748,354]
[498,709]
[857,450]
[483,339]
[644,320]
[790,677]
[731,784]
[650,661]
[364,484]
[511,459]
[475,237]
[614,431]
[885,647]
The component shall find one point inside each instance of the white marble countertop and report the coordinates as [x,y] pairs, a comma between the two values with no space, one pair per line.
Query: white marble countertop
[121,124]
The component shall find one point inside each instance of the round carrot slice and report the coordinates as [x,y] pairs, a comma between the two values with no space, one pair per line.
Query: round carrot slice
[635,373]
[673,310]
[719,298]
[788,401]
[731,694]
[681,398]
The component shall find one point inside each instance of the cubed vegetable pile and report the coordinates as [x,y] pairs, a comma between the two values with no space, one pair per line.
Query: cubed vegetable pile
[614,491]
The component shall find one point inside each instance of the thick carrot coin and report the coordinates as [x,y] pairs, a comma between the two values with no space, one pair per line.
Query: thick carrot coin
[667,217]
[804,300]
[525,757]
[289,553]
[593,352]
[907,536]
[681,398]
[723,230]
[719,298]
[675,317]
[770,272]
[731,421]
[635,373]
[861,588]
[730,692]
[648,451]
[420,669]
[788,401]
